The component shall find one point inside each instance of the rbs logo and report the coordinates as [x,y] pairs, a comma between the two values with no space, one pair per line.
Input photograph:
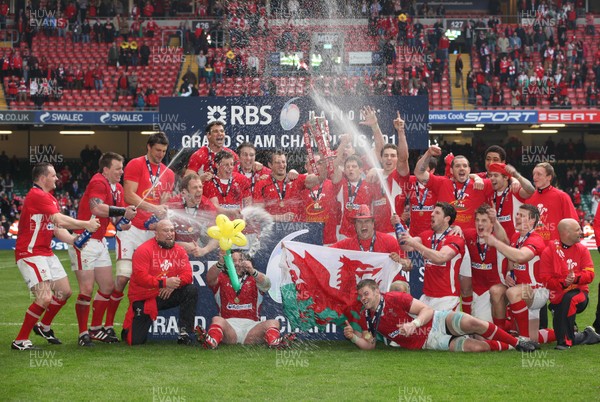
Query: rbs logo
[240,115]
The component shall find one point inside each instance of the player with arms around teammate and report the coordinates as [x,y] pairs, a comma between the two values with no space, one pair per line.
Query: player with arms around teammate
[44,275]
[391,315]
[482,263]
[239,320]
[102,198]
[523,289]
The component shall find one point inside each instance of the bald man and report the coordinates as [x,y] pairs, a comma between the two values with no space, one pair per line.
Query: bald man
[566,269]
[161,279]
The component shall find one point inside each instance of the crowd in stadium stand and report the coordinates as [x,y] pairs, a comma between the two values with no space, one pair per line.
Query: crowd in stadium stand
[505,70]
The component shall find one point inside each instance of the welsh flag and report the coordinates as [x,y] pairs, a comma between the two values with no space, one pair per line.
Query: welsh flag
[318,284]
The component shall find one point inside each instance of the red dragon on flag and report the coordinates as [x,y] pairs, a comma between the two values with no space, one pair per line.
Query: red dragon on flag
[319,283]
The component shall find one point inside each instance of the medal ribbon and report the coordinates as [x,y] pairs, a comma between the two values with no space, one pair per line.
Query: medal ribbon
[315,195]
[435,243]
[351,195]
[280,192]
[459,195]
[499,208]
[420,200]
[482,253]
[112,193]
[373,322]
[152,177]
[252,177]
[523,239]
[371,247]
[218,186]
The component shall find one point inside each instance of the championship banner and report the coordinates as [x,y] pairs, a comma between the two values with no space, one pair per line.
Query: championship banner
[318,284]
[276,121]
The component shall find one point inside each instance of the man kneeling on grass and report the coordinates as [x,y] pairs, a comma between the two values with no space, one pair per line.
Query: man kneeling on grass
[391,315]
[161,279]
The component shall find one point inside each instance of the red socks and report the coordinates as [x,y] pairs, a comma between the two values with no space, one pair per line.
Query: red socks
[31,317]
[467,301]
[500,322]
[216,332]
[521,314]
[497,345]
[99,306]
[82,310]
[498,334]
[546,336]
[271,335]
[52,310]
[113,306]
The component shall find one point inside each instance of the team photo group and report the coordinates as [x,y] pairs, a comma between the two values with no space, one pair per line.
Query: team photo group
[500,255]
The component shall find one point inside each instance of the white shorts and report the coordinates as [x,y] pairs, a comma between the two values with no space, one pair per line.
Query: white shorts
[446,303]
[93,255]
[482,306]
[540,298]
[129,240]
[40,268]
[438,338]
[241,327]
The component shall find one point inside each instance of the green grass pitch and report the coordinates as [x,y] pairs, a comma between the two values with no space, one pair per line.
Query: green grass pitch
[164,371]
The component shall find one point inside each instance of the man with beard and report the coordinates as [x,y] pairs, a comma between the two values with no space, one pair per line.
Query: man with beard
[367,239]
[161,279]
[566,269]
[239,312]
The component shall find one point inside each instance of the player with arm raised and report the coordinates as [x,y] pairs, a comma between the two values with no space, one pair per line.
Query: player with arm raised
[147,183]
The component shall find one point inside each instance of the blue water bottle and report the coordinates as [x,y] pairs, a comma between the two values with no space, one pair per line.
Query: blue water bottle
[153,219]
[83,237]
[122,221]
[400,229]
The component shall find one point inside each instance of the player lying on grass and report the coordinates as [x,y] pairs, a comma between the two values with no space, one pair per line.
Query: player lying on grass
[391,315]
